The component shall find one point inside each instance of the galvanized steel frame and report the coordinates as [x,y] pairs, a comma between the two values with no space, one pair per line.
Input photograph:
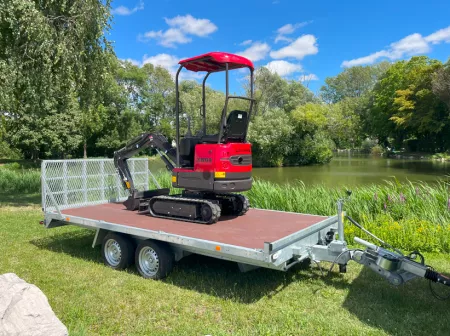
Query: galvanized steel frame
[65,182]
[280,254]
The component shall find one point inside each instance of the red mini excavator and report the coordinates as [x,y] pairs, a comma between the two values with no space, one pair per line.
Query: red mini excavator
[209,168]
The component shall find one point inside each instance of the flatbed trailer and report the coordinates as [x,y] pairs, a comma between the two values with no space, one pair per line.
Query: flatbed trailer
[88,194]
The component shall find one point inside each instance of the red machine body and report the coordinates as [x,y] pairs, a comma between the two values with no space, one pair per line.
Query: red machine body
[217,167]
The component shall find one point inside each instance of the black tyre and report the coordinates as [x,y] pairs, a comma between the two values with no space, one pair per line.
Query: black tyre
[154,260]
[117,251]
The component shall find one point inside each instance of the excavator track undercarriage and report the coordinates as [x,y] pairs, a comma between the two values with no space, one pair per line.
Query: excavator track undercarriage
[195,207]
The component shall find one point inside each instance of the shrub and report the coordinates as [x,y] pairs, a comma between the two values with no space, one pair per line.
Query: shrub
[367,145]
[376,150]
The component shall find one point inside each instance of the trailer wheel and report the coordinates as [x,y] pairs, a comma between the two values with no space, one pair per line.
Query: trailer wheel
[153,260]
[117,251]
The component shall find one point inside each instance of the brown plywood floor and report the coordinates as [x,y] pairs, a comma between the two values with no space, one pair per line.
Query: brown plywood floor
[251,230]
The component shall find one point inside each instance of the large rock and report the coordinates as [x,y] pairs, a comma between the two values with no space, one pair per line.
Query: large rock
[24,310]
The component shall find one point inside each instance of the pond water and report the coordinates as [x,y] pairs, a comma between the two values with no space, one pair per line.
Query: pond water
[359,170]
[353,170]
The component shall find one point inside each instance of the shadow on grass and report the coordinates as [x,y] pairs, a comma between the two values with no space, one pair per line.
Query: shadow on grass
[20,200]
[406,310]
[76,244]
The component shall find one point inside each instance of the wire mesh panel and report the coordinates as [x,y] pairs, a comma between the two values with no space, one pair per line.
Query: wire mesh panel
[76,183]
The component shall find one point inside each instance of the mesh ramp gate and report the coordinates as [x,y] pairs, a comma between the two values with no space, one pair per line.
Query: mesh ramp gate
[77,183]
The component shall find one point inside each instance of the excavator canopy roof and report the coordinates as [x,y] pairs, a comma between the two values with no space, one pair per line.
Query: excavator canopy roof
[215,62]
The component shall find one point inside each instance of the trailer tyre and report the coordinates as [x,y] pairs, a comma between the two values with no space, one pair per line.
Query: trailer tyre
[117,251]
[154,260]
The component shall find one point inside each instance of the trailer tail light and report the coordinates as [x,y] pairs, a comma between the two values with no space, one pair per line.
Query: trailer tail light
[218,248]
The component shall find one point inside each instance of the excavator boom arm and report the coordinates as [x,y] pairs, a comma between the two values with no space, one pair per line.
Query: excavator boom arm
[141,142]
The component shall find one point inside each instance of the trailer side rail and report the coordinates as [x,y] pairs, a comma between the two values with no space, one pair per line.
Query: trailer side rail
[76,183]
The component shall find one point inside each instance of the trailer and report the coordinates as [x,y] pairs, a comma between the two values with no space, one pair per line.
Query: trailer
[88,194]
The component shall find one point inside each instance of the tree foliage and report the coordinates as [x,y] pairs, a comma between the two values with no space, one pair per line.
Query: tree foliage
[352,82]
[405,108]
[64,93]
[441,83]
[52,55]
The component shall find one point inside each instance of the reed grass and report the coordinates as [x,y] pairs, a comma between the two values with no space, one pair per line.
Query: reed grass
[410,216]
[19,180]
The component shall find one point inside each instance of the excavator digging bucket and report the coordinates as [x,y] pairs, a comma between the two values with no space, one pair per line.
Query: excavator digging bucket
[133,201]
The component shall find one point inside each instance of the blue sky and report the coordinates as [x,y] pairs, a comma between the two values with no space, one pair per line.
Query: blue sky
[300,40]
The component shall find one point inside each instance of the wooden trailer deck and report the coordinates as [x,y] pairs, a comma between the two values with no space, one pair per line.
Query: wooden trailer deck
[252,230]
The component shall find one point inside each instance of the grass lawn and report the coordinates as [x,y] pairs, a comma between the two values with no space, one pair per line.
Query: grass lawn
[207,296]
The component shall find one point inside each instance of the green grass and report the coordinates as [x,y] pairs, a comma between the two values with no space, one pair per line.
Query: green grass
[208,296]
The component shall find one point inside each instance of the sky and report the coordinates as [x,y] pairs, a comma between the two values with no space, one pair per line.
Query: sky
[300,40]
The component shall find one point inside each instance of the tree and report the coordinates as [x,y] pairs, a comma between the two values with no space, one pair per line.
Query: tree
[310,142]
[270,135]
[296,95]
[51,57]
[352,82]
[441,83]
[270,90]
[344,122]
[404,106]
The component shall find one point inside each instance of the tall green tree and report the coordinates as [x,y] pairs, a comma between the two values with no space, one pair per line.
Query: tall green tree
[405,108]
[441,83]
[270,135]
[52,56]
[352,82]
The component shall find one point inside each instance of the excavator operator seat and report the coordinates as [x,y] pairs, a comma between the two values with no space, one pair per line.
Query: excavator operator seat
[236,126]
[187,150]
[235,129]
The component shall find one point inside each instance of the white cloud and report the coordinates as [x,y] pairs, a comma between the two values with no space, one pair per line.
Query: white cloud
[308,78]
[410,45]
[190,25]
[370,59]
[246,42]
[256,52]
[170,62]
[168,38]
[180,29]
[164,60]
[123,10]
[442,35]
[283,68]
[301,47]
[289,29]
